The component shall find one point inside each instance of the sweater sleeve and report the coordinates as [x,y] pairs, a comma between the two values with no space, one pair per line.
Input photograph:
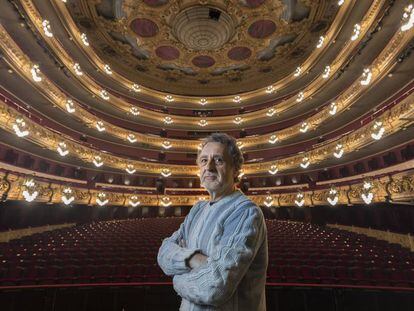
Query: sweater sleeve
[215,282]
[171,255]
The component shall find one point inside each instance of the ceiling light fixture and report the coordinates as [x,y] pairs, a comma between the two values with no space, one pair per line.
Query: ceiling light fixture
[273,169]
[130,169]
[166,144]
[47,29]
[62,149]
[270,89]
[305,162]
[300,97]
[84,39]
[326,72]
[36,73]
[203,123]
[104,94]
[102,199]
[100,126]
[132,138]
[297,72]
[77,68]
[97,160]
[165,172]
[169,98]
[356,32]
[304,127]
[67,195]
[377,130]
[134,110]
[366,76]
[333,108]
[108,69]
[136,88]
[30,190]
[333,196]
[271,112]
[300,199]
[203,101]
[20,128]
[238,120]
[339,151]
[168,120]
[320,42]
[268,201]
[273,139]
[134,201]
[408,18]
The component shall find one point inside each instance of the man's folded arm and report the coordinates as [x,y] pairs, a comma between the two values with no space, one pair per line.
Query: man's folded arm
[215,282]
[172,256]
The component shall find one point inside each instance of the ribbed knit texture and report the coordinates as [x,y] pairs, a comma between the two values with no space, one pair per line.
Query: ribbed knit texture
[232,233]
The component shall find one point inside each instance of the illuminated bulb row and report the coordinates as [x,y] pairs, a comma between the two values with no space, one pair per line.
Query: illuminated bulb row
[30,193]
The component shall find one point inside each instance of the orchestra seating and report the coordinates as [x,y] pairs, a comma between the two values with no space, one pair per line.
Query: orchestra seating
[125,251]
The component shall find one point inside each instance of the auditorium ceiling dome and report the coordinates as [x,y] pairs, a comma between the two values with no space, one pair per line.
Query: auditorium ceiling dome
[203,48]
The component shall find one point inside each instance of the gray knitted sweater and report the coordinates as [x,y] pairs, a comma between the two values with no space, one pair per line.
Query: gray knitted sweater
[232,233]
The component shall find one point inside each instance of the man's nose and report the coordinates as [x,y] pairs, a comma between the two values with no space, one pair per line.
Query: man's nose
[211,165]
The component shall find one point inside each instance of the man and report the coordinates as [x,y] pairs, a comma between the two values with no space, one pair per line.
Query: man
[218,256]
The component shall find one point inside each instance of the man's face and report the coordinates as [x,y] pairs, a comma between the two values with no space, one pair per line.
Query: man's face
[216,169]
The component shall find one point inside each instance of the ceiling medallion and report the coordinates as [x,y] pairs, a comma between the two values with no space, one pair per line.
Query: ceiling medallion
[194,47]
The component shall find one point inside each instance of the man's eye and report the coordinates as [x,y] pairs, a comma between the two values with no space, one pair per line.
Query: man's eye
[203,161]
[219,160]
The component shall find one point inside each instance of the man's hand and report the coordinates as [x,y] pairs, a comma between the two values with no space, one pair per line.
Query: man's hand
[197,260]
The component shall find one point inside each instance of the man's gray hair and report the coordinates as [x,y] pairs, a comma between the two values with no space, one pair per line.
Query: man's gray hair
[231,146]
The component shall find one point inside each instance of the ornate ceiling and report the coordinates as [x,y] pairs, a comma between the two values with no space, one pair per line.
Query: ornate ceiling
[112,98]
[205,47]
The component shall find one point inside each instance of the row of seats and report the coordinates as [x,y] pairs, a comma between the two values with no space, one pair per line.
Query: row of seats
[126,250]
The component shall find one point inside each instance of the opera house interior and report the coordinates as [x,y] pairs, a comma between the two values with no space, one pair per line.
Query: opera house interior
[103,107]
